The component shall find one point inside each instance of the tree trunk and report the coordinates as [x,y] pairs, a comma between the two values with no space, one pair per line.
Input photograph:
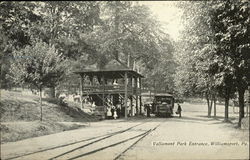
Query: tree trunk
[209,107]
[227,97]
[226,107]
[214,106]
[52,92]
[41,106]
[241,92]
[248,99]
[207,104]
[233,108]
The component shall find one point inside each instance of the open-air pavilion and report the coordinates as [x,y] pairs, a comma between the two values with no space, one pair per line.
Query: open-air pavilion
[108,87]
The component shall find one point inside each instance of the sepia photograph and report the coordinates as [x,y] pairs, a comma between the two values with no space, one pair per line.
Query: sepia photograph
[125,80]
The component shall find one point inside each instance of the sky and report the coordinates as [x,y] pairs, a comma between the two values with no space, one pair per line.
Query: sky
[168,14]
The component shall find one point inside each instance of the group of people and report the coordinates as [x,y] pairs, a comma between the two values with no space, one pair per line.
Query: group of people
[148,109]
[113,112]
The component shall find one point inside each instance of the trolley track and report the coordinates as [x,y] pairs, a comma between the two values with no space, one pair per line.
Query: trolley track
[117,157]
[91,152]
[112,145]
[128,138]
[88,144]
[65,145]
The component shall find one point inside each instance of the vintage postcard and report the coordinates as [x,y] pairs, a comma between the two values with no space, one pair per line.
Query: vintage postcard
[125,80]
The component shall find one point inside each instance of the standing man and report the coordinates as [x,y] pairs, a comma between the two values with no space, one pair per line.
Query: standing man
[118,110]
[179,110]
[148,109]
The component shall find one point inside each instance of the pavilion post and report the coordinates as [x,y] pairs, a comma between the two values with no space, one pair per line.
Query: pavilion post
[131,105]
[126,94]
[136,95]
[103,96]
[131,97]
[140,95]
[81,90]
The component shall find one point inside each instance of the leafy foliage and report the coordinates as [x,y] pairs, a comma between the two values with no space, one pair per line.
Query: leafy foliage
[38,65]
[216,46]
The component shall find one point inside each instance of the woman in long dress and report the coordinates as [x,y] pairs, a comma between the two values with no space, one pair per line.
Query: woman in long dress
[109,114]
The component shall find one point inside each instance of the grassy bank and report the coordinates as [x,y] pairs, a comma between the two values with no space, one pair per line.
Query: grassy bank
[20,116]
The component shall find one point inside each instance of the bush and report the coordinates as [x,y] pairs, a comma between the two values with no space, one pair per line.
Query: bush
[245,123]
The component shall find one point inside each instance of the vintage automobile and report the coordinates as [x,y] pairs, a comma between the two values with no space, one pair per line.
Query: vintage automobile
[163,105]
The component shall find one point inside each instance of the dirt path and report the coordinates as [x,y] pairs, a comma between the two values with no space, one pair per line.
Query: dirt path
[189,137]
[104,138]
[192,137]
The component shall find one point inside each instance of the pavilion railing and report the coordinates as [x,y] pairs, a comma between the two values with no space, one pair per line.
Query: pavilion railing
[107,88]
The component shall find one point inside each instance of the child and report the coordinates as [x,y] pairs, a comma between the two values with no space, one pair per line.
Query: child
[115,114]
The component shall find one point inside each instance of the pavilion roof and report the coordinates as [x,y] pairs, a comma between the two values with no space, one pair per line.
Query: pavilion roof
[109,73]
[112,70]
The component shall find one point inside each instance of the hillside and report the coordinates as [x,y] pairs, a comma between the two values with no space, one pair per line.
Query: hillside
[20,116]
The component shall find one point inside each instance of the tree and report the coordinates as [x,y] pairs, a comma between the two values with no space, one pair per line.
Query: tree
[226,90]
[15,20]
[231,24]
[226,42]
[129,34]
[195,54]
[64,23]
[38,65]
[61,24]
[160,76]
